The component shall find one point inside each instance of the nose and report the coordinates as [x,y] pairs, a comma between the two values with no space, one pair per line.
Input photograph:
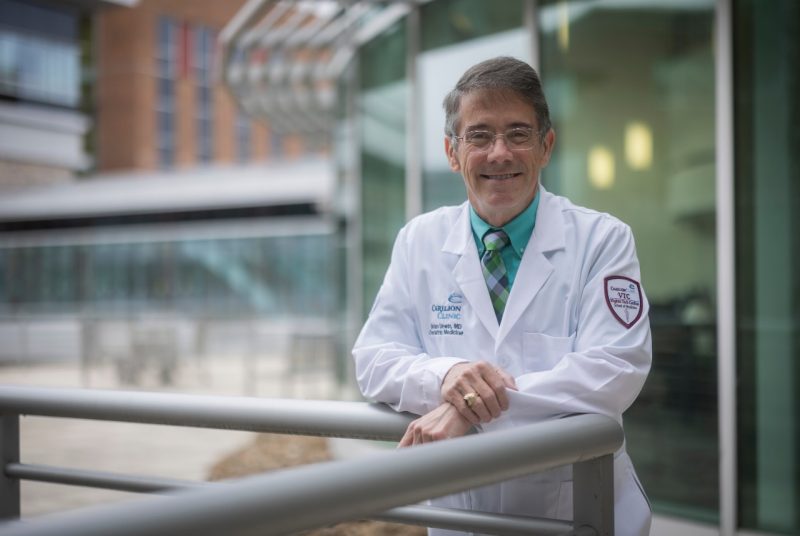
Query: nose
[499,151]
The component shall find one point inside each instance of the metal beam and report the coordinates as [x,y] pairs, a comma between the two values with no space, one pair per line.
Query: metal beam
[470,520]
[9,453]
[304,417]
[96,479]
[593,495]
[302,498]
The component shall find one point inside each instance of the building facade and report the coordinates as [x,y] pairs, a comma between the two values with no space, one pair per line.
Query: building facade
[680,118]
[182,198]
[160,104]
[44,116]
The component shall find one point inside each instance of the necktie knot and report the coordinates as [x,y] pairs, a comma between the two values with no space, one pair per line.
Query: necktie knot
[495,239]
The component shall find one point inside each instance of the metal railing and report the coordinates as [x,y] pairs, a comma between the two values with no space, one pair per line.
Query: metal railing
[285,501]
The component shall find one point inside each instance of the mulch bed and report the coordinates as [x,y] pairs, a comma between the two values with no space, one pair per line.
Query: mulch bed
[271,451]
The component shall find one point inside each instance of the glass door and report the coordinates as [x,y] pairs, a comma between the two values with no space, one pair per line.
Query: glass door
[631,90]
[767,163]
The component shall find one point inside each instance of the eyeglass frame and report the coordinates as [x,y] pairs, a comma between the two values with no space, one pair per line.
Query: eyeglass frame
[533,132]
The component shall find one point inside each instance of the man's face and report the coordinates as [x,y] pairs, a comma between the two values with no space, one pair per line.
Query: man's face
[500,182]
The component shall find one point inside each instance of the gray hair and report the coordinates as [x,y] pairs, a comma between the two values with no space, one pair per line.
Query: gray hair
[501,73]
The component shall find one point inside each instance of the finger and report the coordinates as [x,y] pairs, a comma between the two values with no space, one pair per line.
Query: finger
[491,388]
[456,399]
[460,388]
[468,413]
[488,406]
[464,410]
[498,388]
[508,379]
[419,435]
[407,439]
[500,380]
[460,378]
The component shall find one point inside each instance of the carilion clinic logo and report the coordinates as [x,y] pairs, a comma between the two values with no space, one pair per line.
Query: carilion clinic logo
[451,310]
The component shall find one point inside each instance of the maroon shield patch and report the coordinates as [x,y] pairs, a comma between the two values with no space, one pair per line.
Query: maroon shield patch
[624,299]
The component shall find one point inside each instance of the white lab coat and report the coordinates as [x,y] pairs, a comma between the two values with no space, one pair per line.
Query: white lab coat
[569,349]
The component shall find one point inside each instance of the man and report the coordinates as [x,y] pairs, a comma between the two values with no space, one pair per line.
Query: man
[515,307]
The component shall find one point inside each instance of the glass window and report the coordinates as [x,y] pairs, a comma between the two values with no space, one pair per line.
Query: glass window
[166,59]
[204,63]
[631,91]
[456,35]
[244,137]
[767,168]
[382,109]
[39,54]
[58,275]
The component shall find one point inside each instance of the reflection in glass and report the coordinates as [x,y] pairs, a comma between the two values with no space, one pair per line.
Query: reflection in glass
[455,36]
[232,276]
[631,91]
[767,160]
[382,111]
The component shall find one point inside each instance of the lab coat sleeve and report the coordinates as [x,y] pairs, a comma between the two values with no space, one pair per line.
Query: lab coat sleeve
[608,362]
[391,365]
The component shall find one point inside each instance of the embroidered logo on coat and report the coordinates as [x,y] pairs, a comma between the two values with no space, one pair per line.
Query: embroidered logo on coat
[624,299]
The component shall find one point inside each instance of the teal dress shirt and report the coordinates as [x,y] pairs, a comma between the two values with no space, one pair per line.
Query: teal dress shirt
[519,231]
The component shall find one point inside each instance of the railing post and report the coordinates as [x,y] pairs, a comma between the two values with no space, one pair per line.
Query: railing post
[593,495]
[9,453]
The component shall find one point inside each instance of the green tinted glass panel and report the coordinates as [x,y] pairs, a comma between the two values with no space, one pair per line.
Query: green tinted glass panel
[631,90]
[382,111]
[456,35]
[767,158]
[217,277]
[452,21]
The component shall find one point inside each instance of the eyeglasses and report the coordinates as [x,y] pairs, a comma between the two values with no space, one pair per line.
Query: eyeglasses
[517,139]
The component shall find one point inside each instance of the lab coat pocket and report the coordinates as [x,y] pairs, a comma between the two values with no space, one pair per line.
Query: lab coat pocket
[543,352]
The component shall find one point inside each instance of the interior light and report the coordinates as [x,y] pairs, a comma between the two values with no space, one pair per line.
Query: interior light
[638,145]
[563,25]
[601,167]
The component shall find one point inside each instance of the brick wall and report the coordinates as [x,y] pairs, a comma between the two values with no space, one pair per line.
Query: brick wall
[127,96]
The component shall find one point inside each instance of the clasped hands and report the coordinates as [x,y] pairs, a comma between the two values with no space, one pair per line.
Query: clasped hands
[454,417]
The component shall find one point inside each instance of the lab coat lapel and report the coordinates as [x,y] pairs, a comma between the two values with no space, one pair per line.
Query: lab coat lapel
[535,267]
[467,271]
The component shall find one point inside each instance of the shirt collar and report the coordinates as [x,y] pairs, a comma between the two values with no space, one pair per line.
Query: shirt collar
[519,229]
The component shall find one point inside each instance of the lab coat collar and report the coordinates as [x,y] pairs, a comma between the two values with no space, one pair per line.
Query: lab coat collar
[458,240]
[467,270]
[535,268]
[548,233]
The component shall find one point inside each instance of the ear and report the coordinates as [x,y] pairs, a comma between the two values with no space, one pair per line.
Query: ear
[549,143]
[452,156]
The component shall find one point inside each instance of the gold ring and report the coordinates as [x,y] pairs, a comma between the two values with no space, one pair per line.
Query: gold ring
[470,398]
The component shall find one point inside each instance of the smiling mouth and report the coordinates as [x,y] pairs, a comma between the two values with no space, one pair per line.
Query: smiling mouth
[500,177]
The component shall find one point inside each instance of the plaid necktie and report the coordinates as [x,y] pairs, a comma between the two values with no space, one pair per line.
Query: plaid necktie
[494,269]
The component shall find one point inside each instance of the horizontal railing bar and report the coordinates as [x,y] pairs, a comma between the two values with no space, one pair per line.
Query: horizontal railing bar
[96,479]
[472,521]
[430,516]
[285,416]
[303,498]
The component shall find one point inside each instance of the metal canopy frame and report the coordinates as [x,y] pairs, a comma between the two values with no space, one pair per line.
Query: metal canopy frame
[283,60]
